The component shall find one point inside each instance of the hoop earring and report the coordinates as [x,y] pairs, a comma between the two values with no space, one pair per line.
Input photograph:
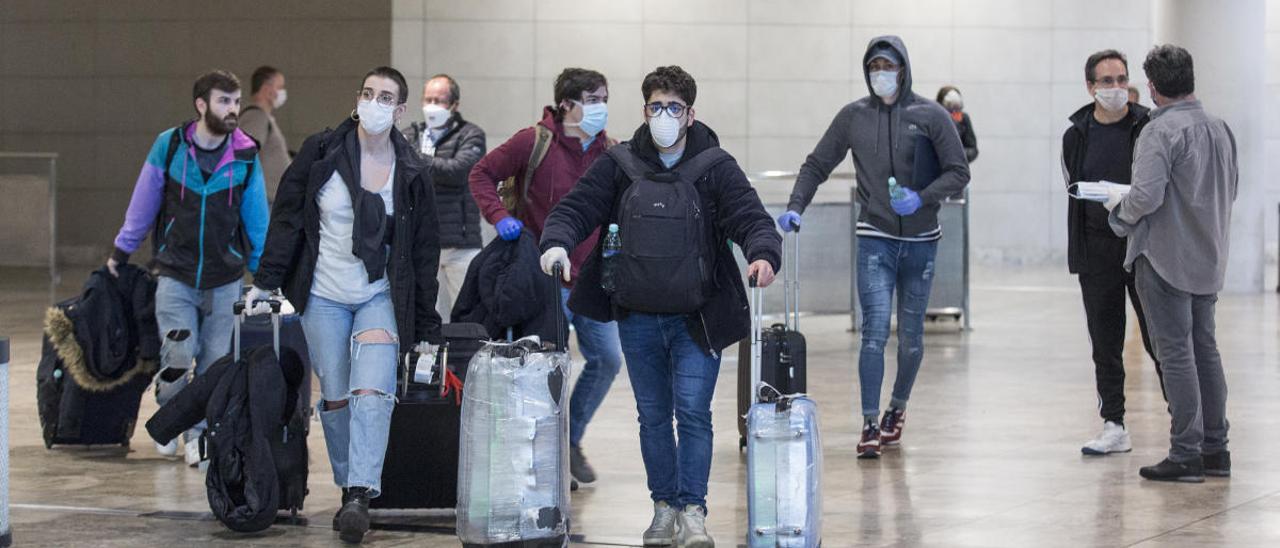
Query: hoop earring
[355,116]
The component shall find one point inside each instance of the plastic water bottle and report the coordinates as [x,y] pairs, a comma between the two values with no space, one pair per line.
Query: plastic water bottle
[895,191]
[612,246]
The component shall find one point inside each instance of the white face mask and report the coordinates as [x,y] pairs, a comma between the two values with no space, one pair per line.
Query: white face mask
[665,129]
[952,101]
[884,82]
[1112,99]
[281,97]
[375,118]
[435,115]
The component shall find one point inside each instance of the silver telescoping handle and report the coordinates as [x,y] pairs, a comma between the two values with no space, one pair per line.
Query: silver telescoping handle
[791,281]
[757,323]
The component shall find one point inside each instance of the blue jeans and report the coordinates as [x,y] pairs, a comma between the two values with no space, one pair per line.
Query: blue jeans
[883,266]
[195,326]
[360,374]
[599,345]
[671,375]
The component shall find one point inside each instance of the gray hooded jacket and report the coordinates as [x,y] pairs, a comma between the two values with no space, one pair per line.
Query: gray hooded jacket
[884,140]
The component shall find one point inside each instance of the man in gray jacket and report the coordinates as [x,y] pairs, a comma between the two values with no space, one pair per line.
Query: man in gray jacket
[1177,216]
[908,158]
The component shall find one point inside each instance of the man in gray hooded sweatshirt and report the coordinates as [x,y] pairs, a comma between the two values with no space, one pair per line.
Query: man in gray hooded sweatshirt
[909,158]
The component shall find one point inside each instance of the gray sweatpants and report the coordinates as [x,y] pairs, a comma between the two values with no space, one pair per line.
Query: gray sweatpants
[1182,330]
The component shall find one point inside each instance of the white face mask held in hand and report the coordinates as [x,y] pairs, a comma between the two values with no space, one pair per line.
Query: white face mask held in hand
[665,129]
[1112,99]
[436,116]
[884,83]
[375,118]
[1099,191]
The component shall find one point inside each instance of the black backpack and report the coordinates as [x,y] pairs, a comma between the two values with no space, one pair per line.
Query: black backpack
[666,265]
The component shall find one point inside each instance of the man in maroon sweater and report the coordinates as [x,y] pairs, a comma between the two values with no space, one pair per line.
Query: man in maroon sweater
[576,125]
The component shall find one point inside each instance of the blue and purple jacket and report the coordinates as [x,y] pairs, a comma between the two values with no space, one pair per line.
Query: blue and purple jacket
[206,231]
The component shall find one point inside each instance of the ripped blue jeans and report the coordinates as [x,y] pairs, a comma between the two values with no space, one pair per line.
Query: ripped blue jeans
[354,348]
[883,266]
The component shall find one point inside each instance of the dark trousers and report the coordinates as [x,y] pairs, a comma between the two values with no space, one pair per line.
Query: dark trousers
[1104,288]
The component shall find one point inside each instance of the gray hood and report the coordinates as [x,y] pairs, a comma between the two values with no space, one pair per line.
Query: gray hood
[904,85]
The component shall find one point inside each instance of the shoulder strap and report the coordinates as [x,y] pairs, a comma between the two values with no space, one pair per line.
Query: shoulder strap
[541,143]
[174,139]
[694,168]
[631,164]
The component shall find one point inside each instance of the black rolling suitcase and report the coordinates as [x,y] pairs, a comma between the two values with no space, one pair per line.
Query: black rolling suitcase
[421,466]
[782,346]
[97,411]
[289,451]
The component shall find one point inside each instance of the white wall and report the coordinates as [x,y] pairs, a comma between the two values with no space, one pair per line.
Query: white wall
[771,75]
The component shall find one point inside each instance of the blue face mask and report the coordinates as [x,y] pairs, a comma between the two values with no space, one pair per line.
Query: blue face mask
[594,118]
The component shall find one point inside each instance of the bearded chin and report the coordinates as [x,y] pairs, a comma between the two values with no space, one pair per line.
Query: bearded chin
[221,126]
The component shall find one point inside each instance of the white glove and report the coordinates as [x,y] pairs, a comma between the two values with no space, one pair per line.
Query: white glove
[554,256]
[1114,195]
[255,301]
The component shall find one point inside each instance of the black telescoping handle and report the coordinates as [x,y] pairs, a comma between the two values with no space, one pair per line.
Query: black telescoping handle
[562,336]
[239,308]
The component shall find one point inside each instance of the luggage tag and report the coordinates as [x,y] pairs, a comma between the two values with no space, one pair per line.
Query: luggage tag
[424,369]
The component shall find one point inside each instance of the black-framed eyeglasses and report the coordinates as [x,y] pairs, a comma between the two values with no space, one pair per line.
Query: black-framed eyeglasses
[1113,81]
[386,98]
[676,110]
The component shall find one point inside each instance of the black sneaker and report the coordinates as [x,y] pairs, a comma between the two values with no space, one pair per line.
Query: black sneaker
[1218,465]
[869,445]
[1167,470]
[353,519]
[579,468]
[346,497]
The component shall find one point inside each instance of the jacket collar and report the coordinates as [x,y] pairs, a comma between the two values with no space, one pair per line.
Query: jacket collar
[1080,118]
[563,139]
[242,146]
[345,135]
[1192,104]
[697,139]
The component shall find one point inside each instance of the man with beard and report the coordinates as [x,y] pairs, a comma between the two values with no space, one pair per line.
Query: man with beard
[201,189]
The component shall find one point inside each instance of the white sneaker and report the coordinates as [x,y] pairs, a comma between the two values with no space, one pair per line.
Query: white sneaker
[1113,439]
[169,449]
[662,530]
[691,529]
[193,452]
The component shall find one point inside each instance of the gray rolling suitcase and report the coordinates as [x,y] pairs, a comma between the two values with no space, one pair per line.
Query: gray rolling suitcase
[784,459]
[513,486]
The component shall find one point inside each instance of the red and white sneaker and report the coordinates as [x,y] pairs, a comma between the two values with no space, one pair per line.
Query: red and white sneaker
[891,426]
[869,445]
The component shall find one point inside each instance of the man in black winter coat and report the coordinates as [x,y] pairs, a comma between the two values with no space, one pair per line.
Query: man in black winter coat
[449,146]
[1098,146]
[675,329]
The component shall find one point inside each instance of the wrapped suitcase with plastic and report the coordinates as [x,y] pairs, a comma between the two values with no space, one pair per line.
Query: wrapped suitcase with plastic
[513,487]
[784,459]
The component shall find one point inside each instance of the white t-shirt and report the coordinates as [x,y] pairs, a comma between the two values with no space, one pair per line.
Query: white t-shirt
[340,276]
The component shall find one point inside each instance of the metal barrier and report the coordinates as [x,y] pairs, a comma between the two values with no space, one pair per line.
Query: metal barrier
[52,159]
[6,530]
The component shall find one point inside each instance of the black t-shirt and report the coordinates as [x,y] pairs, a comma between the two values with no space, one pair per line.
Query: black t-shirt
[208,159]
[1107,157]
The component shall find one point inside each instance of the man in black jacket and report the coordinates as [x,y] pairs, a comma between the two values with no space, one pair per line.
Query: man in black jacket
[660,343]
[1099,147]
[450,146]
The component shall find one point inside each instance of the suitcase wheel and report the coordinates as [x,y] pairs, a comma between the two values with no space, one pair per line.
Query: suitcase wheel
[742,443]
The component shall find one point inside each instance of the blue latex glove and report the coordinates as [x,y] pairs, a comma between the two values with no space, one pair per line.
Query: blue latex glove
[906,205]
[789,221]
[509,228]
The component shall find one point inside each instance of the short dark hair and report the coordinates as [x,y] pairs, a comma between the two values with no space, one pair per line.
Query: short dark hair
[1170,71]
[393,75]
[573,82]
[1099,57]
[455,92]
[218,79]
[260,77]
[671,79]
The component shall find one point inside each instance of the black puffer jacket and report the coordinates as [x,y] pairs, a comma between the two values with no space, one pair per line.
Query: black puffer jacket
[251,405]
[461,146]
[108,335]
[505,287]
[293,240]
[730,202]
